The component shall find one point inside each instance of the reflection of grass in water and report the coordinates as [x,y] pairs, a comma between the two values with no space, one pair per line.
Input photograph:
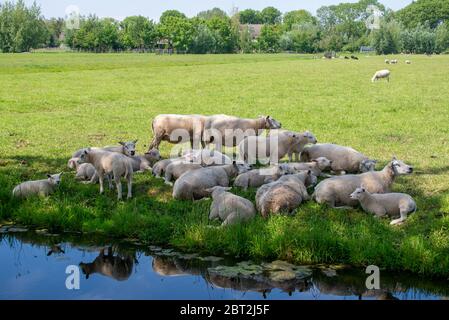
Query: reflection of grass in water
[74,100]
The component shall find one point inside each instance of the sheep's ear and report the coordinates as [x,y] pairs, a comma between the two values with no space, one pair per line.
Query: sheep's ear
[394,158]
[122,143]
[309,172]
[135,141]
[268,117]
[49,176]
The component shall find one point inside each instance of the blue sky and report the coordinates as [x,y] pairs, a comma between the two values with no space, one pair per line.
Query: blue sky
[154,8]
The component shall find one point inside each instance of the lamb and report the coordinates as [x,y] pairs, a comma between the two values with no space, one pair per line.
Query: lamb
[126,148]
[86,172]
[284,195]
[39,187]
[259,177]
[382,74]
[231,209]
[344,159]
[193,184]
[391,204]
[177,168]
[305,139]
[171,127]
[272,148]
[230,131]
[107,163]
[317,166]
[337,191]
[207,157]
[144,163]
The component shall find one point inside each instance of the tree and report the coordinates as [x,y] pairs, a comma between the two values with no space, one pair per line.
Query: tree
[179,31]
[442,37]
[226,37]
[21,28]
[269,38]
[387,39]
[171,13]
[203,40]
[303,38]
[297,17]
[213,13]
[422,12]
[421,39]
[138,32]
[271,15]
[250,16]
[55,28]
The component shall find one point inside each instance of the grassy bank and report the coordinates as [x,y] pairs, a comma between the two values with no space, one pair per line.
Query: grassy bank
[52,104]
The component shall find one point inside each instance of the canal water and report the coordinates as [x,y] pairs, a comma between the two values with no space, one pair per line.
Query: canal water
[33,265]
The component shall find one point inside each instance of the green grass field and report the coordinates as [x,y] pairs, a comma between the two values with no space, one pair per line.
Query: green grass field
[54,104]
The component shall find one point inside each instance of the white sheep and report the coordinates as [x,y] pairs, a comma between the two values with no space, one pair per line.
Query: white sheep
[231,209]
[382,74]
[110,163]
[207,157]
[177,168]
[395,61]
[258,177]
[391,204]
[306,138]
[160,167]
[317,166]
[86,172]
[126,148]
[336,191]
[408,62]
[285,194]
[387,61]
[193,184]
[273,147]
[144,163]
[344,159]
[38,187]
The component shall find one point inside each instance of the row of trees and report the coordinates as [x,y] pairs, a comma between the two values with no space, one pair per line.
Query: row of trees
[421,27]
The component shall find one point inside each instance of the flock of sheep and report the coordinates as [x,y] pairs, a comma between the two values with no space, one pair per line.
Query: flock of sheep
[349,177]
[385,74]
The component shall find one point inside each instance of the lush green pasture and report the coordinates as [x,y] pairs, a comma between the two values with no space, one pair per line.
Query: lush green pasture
[53,104]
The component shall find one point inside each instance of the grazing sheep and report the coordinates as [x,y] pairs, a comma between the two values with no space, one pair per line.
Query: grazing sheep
[177,168]
[39,187]
[382,74]
[337,191]
[231,209]
[317,166]
[347,58]
[395,61]
[232,130]
[408,62]
[387,61]
[391,204]
[354,58]
[285,194]
[86,172]
[305,139]
[126,148]
[259,177]
[272,148]
[171,127]
[344,159]
[107,163]
[193,184]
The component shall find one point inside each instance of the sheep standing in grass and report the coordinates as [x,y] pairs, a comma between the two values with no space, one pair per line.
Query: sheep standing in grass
[284,195]
[395,61]
[306,138]
[336,191]
[259,177]
[344,159]
[382,74]
[39,187]
[193,184]
[231,209]
[110,163]
[317,166]
[391,204]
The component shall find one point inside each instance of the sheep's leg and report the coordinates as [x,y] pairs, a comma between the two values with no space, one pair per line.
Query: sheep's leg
[118,183]
[290,156]
[130,186]
[101,180]
[400,220]
[168,178]
[111,186]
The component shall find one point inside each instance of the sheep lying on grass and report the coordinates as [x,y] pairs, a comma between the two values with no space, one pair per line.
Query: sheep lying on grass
[39,187]
[391,204]
[86,172]
[177,168]
[259,177]
[344,159]
[284,195]
[337,191]
[207,157]
[144,163]
[110,163]
[160,167]
[193,184]
[231,209]
[317,166]
[126,148]
[382,74]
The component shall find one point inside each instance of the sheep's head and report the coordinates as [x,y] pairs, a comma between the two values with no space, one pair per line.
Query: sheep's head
[72,163]
[323,163]
[367,165]
[271,123]
[241,167]
[218,190]
[83,157]
[153,156]
[311,179]
[357,194]
[399,167]
[54,179]
[309,138]
[129,148]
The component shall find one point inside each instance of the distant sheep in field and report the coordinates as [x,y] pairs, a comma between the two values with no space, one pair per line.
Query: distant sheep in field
[38,187]
[231,209]
[391,204]
[395,61]
[387,61]
[408,62]
[354,57]
[382,74]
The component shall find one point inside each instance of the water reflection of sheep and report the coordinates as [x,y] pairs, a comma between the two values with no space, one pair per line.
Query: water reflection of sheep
[116,266]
